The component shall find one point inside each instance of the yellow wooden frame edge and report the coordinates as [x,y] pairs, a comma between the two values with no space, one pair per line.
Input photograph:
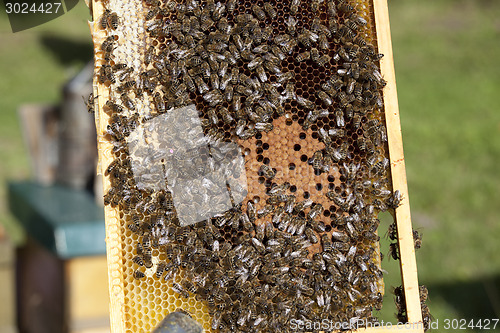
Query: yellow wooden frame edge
[402,213]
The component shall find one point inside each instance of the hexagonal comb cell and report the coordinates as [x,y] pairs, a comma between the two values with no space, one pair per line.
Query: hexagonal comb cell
[283,225]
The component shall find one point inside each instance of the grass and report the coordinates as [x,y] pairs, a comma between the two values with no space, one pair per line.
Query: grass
[448,91]
[445,54]
[35,64]
[446,58]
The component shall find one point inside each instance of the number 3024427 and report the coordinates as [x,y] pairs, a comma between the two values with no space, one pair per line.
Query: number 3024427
[26,8]
[462,324]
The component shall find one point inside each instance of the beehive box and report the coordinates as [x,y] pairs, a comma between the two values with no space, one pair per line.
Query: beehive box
[248,148]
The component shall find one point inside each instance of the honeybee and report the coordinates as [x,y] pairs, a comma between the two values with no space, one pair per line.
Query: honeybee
[126,86]
[244,90]
[89,102]
[323,60]
[326,243]
[378,169]
[216,321]
[213,97]
[245,222]
[266,33]
[214,65]
[327,87]
[180,290]
[325,98]
[304,102]
[181,310]
[299,207]
[113,21]
[323,42]
[311,235]
[394,251]
[289,45]
[108,44]
[111,106]
[202,86]
[279,54]
[315,211]
[291,25]
[258,12]
[315,5]
[306,55]
[103,22]
[205,23]
[395,200]
[351,24]
[226,116]
[266,127]
[307,37]
[224,26]
[265,211]
[261,73]
[294,6]
[312,116]
[231,5]
[344,7]
[358,19]
[258,245]
[154,27]
[138,275]
[159,103]
[189,286]
[251,211]
[377,57]
[339,117]
[255,63]
[417,239]
[106,74]
[337,132]
[138,260]
[269,9]
[424,293]
[317,160]
[333,26]
[340,236]
[267,171]
[214,81]
[283,221]
[160,269]
[392,232]
[218,11]
[325,137]
[127,102]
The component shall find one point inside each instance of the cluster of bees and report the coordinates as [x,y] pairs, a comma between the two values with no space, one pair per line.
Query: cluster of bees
[399,298]
[393,236]
[244,65]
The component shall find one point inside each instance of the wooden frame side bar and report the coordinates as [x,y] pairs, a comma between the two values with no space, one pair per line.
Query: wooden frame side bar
[402,213]
[113,246]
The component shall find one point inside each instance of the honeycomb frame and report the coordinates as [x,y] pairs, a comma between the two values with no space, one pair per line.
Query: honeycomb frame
[120,307]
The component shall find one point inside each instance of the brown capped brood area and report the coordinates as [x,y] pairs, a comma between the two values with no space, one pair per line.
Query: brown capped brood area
[297,86]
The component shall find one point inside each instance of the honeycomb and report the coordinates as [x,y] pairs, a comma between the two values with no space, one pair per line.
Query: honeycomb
[295,89]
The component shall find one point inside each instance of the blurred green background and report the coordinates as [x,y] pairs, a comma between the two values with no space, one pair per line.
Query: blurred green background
[446,56]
